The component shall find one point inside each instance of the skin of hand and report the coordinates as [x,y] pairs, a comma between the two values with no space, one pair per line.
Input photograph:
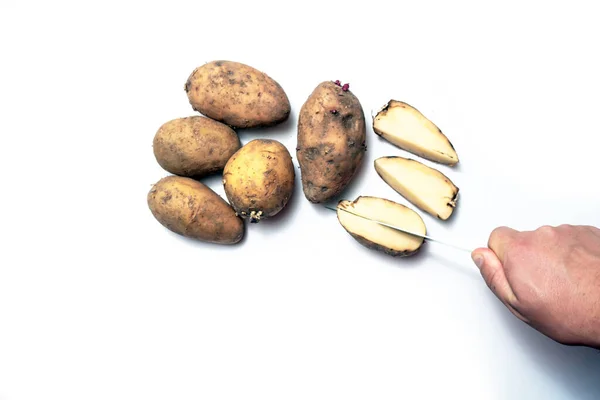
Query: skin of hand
[549,278]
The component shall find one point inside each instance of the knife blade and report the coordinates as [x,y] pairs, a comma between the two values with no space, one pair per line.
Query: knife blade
[425,237]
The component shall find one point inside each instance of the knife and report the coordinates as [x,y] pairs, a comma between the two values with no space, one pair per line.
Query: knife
[426,237]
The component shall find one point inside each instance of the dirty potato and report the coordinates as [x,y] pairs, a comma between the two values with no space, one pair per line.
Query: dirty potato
[331,141]
[259,179]
[194,146]
[190,208]
[237,95]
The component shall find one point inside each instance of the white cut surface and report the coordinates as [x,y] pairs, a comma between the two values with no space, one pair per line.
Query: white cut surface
[407,128]
[423,186]
[385,211]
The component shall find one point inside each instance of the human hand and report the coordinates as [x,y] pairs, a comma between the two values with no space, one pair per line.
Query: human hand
[548,278]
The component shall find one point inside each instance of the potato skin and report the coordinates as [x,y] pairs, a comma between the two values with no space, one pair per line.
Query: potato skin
[194,146]
[237,95]
[377,247]
[331,141]
[192,209]
[259,179]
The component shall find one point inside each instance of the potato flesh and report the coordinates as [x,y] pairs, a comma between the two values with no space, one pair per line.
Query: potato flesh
[425,187]
[407,128]
[379,236]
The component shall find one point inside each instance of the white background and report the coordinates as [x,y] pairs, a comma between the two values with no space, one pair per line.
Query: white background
[98,301]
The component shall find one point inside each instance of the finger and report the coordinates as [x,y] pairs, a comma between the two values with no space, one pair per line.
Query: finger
[494,276]
[594,230]
[500,241]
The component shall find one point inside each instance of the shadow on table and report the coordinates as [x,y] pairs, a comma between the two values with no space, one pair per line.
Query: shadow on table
[576,369]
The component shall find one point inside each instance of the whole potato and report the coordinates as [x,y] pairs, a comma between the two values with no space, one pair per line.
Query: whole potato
[192,209]
[259,179]
[237,95]
[194,146]
[331,141]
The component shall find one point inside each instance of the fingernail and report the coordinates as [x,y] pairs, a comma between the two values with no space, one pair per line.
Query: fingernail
[478,259]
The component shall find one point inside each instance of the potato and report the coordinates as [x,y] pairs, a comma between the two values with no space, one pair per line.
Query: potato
[407,128]
[358,218]
[194,146]
[237,95]
[331,141]
[259,179]
[192,209]
[424,186]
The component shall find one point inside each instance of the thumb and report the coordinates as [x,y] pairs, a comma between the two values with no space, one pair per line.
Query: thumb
[492,271]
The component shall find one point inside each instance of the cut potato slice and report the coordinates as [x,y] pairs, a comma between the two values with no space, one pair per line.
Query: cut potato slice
[404,126]
[425,187]
[378,237]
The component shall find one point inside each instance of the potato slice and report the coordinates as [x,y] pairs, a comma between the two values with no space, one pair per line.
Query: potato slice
[404,126]
[378,237]
[425,187]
